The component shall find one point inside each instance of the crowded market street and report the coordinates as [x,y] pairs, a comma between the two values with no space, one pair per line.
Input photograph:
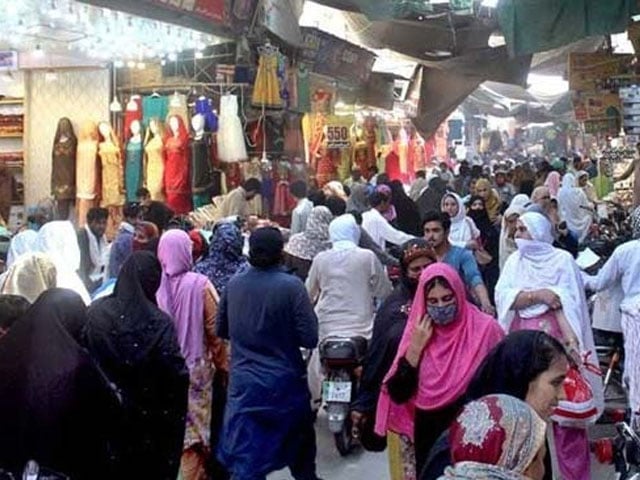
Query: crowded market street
[320,240]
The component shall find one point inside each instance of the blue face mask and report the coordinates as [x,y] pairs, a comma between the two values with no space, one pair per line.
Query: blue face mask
[442,315]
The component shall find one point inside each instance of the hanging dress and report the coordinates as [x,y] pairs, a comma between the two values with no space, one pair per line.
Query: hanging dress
[231,145]
[155,168]
[176,175]
[266,90]
[112,175]
[154,106]
[204,107]
[133,169]
[201,172]
[63,173]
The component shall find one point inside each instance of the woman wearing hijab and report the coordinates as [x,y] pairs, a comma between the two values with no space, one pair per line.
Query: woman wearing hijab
[135,344]
[541,288]
[56,407]
[575,208]
[29,276]
[59,241]
[431,199]
[582,178]
[497,438]
[491,198]
[334,189]
[445,340]
[508,229]
[359,199]
[553,182]
[408,216]
[225,257]
[390,214]
[303,247]
[146,237]
[488,241]
[192,302]
[529,365]
[388,326]
[463,232]
[23,242]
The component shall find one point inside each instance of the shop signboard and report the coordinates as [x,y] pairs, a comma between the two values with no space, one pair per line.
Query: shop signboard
[336,58]
[211,16]
[338,131]
[589,71]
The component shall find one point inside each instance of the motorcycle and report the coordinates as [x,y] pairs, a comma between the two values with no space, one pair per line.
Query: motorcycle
[622,451]
[33,471]
[341,359]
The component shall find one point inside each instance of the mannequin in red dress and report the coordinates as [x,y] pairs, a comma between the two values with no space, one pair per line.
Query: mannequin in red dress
[176,171]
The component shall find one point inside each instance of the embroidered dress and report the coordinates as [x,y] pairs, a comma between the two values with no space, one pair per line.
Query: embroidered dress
[266,92]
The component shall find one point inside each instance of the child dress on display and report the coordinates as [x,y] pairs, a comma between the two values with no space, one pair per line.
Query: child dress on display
[86,170]
[267,88]
[231,144]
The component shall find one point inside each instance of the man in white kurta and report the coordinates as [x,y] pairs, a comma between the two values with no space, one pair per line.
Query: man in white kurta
[623,270]
[344,284]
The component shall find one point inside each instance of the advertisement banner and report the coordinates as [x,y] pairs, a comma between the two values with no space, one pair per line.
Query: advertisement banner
[336,58]
[214,10]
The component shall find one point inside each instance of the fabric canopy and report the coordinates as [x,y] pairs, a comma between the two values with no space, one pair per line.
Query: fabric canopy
[531,26]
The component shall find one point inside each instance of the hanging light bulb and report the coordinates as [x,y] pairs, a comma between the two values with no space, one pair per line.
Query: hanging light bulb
[115,105]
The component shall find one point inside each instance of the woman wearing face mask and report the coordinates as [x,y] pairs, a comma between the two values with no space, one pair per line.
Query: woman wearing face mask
[507,441]
[388,327]
[463,232]
[541,288]
[488,241]
[529,365]
[445,340]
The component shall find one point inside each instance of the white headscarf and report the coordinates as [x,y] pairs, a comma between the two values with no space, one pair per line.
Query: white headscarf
[59,240]
[23,242]
[31,274]
[344,232]
[571,202]
[507,245]
[537,265]
[463,229]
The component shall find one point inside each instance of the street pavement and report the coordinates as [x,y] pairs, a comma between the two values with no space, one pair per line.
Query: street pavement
[362,465]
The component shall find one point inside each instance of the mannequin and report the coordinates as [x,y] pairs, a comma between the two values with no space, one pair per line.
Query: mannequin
[112,176]
[133,167]
[154,160]
[176,172]
[63,168]
[200,163]
[86,170]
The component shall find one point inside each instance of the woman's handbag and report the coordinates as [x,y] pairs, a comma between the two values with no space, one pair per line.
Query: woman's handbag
[579,408]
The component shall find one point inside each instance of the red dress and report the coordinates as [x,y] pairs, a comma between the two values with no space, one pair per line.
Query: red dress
[177,178]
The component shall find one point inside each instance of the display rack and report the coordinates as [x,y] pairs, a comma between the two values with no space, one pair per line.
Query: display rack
[12,131]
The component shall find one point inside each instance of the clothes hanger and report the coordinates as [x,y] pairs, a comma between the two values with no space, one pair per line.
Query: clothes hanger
[155,93]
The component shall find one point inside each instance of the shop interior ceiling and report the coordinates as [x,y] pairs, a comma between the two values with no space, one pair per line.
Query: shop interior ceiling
[68,26]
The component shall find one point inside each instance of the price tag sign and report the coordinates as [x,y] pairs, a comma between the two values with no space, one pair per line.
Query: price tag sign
[338,132]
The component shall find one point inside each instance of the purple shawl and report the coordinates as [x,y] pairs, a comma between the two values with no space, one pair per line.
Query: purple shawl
[181,293]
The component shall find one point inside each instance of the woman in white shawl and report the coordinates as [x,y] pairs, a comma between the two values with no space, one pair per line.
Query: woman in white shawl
[508,226]
[23,242]
[59,241]
[575,208]
[540,288]
[463,233]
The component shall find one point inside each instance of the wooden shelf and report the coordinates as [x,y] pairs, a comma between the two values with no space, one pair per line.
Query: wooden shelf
[11,101]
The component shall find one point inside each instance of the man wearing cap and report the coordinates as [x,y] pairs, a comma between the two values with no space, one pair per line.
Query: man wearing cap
[504,188]
[267,315]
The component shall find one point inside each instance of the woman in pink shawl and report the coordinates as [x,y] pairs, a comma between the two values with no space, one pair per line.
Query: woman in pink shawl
[445,340]
[553,183]
[192,302]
